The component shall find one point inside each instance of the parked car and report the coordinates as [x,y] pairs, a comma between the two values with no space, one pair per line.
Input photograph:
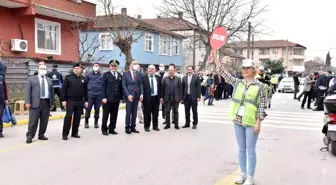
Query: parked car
[286,85]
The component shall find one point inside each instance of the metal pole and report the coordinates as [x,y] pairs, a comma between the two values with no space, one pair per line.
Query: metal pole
[287,57]
[252,46]
[248,39]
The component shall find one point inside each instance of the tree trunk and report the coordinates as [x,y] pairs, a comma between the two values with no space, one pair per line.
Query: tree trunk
[129,59]
[205,60]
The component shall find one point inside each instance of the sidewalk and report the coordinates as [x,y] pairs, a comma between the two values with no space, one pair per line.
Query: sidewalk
[23,119]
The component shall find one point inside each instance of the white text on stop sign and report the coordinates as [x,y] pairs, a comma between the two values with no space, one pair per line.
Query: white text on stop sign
[218,37]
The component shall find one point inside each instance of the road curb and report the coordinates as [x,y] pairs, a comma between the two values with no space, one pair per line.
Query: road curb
[56,117]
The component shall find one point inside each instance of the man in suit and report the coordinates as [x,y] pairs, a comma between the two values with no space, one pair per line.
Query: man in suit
[191,88]
[151,100]
[133,90]
[307,90]
[112,93]
[39,99]
[171,95]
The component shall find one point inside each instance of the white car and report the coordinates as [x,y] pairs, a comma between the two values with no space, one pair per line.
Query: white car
[286,85]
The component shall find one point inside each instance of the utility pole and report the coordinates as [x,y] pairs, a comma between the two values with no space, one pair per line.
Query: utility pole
[248,39]
[252,46]
[287,57]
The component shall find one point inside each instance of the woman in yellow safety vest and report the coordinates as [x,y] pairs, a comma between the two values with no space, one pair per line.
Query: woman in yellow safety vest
[247,110]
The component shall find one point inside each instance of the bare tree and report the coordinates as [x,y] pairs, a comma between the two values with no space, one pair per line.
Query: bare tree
[209,14]
[122,28]
[87,47]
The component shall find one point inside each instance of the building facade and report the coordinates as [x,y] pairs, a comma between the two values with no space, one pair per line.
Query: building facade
[150,44]
[42,28]
[292,54]
[194,50]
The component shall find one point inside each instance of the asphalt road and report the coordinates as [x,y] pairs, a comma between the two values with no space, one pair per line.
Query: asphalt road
[288,152]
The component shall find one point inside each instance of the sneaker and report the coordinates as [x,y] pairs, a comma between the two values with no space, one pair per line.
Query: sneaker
[241,179]
[249,180]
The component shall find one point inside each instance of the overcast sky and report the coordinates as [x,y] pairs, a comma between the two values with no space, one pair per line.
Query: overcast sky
[306,22]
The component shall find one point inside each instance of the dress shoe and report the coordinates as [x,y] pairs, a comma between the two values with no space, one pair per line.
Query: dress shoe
[147,129]
[1,135]
[156,129]
[186,126]
[135,131]
[65,138]
[309,108]
[128,131]
[76,136]
[113,132]
[177,127]
[194,127]
[302,107]
[43,138]
[105,133]
[29,140]
[96,123]
[167,127]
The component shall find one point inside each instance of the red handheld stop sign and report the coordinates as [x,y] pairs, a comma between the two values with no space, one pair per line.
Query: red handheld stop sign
[218,38]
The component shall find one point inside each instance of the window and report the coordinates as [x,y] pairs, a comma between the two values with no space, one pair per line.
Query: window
[164,45]
[263,62]
[264,51]
[275,51]
[105,41]
[176,48]
[47,37]
[297,52]
[149,43]
[296,63]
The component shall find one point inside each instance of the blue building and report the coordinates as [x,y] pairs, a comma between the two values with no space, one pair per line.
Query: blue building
[152,45]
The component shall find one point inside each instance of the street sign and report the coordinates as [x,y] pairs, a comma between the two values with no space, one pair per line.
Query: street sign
[218,39]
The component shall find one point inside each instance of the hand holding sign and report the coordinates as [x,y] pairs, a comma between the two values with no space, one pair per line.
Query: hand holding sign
[217,40]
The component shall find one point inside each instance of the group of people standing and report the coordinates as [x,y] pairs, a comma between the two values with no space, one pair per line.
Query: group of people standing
[145,91]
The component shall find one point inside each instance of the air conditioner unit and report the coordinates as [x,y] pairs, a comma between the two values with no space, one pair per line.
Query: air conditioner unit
[19,45]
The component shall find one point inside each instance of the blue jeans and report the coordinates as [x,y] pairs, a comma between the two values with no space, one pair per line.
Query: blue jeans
[247,141]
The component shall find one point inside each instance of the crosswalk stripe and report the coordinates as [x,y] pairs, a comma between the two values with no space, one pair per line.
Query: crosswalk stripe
[271,126]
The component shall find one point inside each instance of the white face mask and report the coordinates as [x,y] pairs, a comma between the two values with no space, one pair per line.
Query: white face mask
[161,69]
[95,68]
[42,72]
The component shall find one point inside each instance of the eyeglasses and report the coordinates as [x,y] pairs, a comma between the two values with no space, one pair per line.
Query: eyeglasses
[247,67]
[114,66]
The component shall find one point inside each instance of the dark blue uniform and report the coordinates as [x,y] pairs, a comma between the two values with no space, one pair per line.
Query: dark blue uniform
[112,91]
[95,85]
[57,80]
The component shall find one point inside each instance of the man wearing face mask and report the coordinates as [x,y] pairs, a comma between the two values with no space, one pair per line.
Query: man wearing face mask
[57,80]
[162,73]
[95,85]
[39,100]
[133,92]
[75,98]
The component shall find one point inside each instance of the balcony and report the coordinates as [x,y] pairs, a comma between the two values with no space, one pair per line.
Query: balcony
[14,4]
[298,57]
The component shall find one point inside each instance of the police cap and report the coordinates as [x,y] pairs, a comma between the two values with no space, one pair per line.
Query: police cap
[77,64]
[114,62]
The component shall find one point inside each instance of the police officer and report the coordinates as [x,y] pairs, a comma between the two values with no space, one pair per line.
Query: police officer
[95,85]
[57,81]
[75,98]
[112,93]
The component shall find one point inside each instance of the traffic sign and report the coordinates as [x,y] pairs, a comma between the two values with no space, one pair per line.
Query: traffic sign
[218,38]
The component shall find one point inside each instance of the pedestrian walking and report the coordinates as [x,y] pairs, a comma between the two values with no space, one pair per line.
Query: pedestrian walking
[39,100]
[95,86]
[112,94]
[191,89]
[171,96]
[246,109]
[133,93]
[75,98]
[151,100]
[307,90]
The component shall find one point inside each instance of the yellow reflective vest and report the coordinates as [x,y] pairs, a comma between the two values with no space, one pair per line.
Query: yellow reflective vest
[250,103]
[274,80]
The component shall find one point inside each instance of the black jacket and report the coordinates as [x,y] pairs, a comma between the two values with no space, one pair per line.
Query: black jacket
[112,88]
[147,88]
[74,88]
